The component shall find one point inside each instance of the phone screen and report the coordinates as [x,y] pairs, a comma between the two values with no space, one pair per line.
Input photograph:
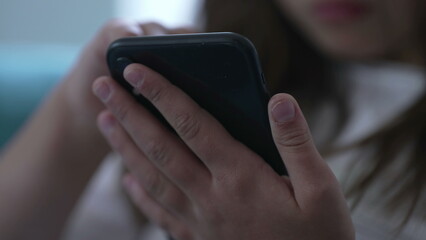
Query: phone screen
[219,71]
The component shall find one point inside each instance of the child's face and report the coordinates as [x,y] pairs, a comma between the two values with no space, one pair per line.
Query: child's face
[356,29]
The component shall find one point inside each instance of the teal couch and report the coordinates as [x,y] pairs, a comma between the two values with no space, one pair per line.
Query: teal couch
[27,73]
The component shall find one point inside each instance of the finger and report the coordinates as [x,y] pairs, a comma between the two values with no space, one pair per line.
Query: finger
[153,29]
[119,28]
[151,178]
[182,30]
[113,30]
[158,144]
[307,170]
[206,137]
[154,211]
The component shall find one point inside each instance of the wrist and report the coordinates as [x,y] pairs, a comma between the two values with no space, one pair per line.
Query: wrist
[75,125]
[77,103]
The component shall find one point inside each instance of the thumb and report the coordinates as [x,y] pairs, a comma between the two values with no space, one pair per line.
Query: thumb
[294,142]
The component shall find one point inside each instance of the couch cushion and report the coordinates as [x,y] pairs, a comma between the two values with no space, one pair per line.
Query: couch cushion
[27,73]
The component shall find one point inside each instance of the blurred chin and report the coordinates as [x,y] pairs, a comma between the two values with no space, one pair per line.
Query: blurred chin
[352,54]
[351,49]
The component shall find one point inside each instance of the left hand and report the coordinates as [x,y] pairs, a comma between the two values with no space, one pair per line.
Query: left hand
[203,184]
[91,64]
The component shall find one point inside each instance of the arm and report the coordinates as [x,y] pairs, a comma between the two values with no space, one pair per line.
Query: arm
[206,185]
[44,171]
[46,167]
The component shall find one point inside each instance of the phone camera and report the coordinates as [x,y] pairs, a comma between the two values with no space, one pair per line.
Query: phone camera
[122,63]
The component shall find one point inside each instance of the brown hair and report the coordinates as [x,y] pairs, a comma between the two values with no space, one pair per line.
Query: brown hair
[288,61]
[292,64]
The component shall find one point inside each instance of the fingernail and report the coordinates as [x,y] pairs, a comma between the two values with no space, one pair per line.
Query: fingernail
[103,91]
[135,77]
[283,111]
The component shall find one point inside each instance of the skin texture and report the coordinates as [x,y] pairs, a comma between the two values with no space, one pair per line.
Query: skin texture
[387,29]
[46,167]
[200,184]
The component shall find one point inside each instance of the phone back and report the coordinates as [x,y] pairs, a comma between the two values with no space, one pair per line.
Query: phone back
[220,71]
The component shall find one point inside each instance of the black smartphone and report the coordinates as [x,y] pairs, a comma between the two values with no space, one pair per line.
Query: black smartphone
[219,71]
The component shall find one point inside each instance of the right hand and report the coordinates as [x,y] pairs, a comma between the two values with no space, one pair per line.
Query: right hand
[200,184]
[76,88]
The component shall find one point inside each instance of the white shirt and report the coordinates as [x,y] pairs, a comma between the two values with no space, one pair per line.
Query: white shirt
[379,93]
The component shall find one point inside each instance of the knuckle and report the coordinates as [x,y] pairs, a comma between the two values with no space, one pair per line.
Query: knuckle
[156,151]
[154,28]
[187,126]
[129,162]
[129,159]
[154,183]
[154,92]
[229,178]
[117,143]
[159,156]
[294,138]
[237,185]
[191,182]
[121,112]
[176,201]
[119,28]
[112,24]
